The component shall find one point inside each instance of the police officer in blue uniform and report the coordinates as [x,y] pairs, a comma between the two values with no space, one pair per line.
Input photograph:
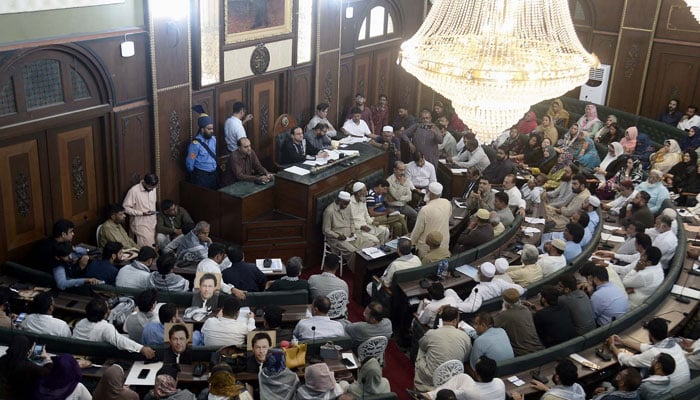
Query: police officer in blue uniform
[201,153]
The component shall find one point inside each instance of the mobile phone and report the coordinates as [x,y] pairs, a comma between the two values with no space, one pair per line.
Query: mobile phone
[144,373]
[348,363]
[38,350]
[20,318]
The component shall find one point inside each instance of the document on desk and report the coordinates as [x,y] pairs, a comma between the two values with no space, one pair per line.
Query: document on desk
[135,371]
[459,170]
[373,252]
[275,266]
[530,229]
[611,238]
[686,291]
[531,220]
[350,357]
[468,270]
[297,170]
[610,227]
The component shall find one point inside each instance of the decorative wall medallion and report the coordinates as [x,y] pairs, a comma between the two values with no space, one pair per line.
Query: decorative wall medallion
[285,122]
[77,177]
[632,60]
[175,130]
[327,86]
[23,195]
[260,59]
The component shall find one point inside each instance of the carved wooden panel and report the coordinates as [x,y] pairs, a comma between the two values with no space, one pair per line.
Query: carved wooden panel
[603,45]
[328,25]
[264,114]
[134,140]
[300,102]
[174,120]
[405,91]
[673,73]
[226,95]
[607,14]
[383,74]
[346,92]
[361,76]
[327,83]
[172,53]
[677,23]
[21,194]
[640,14]
[628,70]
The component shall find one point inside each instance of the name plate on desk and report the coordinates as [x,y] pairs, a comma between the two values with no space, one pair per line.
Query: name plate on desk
[276,265]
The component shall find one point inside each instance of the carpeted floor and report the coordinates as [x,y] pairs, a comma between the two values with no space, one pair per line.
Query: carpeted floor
[398,368]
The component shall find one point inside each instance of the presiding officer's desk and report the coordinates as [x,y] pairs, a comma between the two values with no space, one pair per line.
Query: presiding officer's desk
[284,216]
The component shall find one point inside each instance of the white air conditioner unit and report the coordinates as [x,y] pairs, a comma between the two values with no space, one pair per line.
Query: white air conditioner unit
[596,88]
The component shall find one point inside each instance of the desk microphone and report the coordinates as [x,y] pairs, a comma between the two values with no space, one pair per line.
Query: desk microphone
[476,293]
[313,338]
[267,262]
[681,298]
[363,381]
[536,376]
[602,352]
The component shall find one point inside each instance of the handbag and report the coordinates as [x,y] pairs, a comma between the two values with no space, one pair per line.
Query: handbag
[329,351]
[296,355]
[231,355]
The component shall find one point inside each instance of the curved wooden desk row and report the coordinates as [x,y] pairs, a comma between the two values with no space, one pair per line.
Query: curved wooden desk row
[595,337]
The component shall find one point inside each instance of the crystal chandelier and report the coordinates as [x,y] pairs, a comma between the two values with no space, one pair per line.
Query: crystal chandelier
[694,8]
[494,58]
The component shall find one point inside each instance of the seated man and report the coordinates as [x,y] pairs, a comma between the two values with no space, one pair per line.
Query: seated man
[385,215]
[272,321]
[112,229]
[565,377]
[429,307]
[638,210]
[104,269]
[626,193]
[401,193]
[227,329]
[206,296]
[154,331]
[137,274]
[500,205]
[658,382]
[242,275]
[563,194]
[364,224]
[192,247]
[374,324]
[496,171]
[356,126]
[578,303]
[94,327]
[489,341]
[406,260]
[656,190]
[146,302]
[420,172]
[317,136]
[528,273]
[474,155]
[554,322]
[486,385]
[483,197]
[178,352]
[319,326]
[608,300]
[558,217]
[245,166]
[435,250]
[296,149]
[164,278]
[477,233]
[172,221]
[553,260]
[339,229]
[645,278]
[41,320]
[65,273]
[487,289]
[327,281]
[517,321]
[43,256]
[291,281]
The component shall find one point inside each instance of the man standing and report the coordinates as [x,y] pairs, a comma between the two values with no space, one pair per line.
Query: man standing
[401,192]
[296,149]
[234,126]
[373,232]
[172,222]
[380,114]
[364,111]
[389,143]
[201,161]
[140,205]
[424,137]
[434,216]
[448,147]
[245,165]
[356,125]
[338,227]
[321,118]
[420,172]
[671,115]
[403,119]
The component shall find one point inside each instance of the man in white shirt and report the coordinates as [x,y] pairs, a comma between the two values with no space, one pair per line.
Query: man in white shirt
[406,260]
[689,119]
[666,241]
[41,321]
[364,224]
[319,326]
[401,192]
[554,260]
[486,386]
[356,126]
[233,127]
[137,274]
[487,289]
[227,328]
[429,307]
[420,172]
[215,263]
[645,278]
[474,156]
[321,118]
[626,194]
[95,328]
[515,198]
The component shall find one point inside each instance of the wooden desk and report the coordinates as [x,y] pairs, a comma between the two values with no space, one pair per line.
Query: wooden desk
[73,303]
[290,316]
[364,268]
[453,184]
[413,289]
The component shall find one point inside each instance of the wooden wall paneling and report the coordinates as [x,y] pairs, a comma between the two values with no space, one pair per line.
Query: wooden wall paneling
[130,77]
[300,101]
[383,74]
[134,146]
[640,14]
[172,53]
[226,95]
[677,23]
[629,69]
[405,91]
[174,119]
[21,195]
[205,98]
[607,14]
[264,114]
[673,73]
[329,25]
[361,78]
[604,45]
[328,84]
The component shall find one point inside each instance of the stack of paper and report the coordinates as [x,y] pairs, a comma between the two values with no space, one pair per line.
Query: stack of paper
[611,238]
[373,252]
[468,270]
[297,170]
[535,221]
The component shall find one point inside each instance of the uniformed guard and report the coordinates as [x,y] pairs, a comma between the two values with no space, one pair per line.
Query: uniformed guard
[201,154]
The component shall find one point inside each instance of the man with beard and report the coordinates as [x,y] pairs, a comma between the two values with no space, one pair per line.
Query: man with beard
[382,214]
[657,191]
[560,216]
[638,211]
[403,119]
[474,155]
[363,222]
[627,194]
[483,197]
[434,216]
[424,137]
[388,142]
[321,118]
[380,114]
[671,116]
[201,160]
[562,195]
[401,193]
[365,112]
[448,147]
[245,165]
[140,204]
[497,171]
[689,119]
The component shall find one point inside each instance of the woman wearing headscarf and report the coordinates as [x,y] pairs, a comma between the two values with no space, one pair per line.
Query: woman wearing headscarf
[558,170]
[677,177]
[111,386]
[63,382]
[558,114]
[527,123]
[276,381]
[629,141]
[667,156]
[319,384]
[589,121]
[585,152]
[547,129]
[369,380]
[18,375]
[630,170]
[165,387]
[605,129]
[611,163]
[223,386]
[692,140]
[532,153]
[549,156]
[569,138]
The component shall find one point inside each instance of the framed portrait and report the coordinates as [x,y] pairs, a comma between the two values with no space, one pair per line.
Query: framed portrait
[247,20]
[187,336]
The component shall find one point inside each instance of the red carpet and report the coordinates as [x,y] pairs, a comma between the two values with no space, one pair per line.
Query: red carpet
[398,368]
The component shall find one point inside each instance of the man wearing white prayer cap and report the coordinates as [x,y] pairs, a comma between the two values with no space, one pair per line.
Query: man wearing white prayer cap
[489,287]
[501,265]
[362,222]
[338,227]
[434,216]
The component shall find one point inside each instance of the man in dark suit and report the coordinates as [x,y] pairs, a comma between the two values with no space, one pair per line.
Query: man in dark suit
[296,149]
